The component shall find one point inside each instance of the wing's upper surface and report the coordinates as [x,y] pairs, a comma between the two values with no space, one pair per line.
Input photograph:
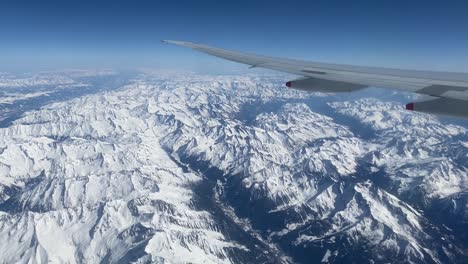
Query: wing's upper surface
[452,87]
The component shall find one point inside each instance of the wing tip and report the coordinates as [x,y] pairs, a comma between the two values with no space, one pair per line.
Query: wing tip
[168,41]
[179,43]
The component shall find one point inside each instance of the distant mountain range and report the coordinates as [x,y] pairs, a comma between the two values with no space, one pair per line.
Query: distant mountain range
[187,168]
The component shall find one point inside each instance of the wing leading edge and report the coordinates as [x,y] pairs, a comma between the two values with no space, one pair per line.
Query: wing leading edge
[450,90]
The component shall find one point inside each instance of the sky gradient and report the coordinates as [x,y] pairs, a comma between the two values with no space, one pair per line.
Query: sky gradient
[47,35]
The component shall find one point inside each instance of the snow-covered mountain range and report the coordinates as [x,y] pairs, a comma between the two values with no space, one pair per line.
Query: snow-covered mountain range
[173,168]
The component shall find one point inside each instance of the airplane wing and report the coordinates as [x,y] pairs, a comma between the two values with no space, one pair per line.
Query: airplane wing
[449,91]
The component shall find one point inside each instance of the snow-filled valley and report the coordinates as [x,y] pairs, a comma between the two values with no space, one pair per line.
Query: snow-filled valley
[189,168]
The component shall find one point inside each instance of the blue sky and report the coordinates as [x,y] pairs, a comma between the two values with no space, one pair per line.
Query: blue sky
[46,35]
